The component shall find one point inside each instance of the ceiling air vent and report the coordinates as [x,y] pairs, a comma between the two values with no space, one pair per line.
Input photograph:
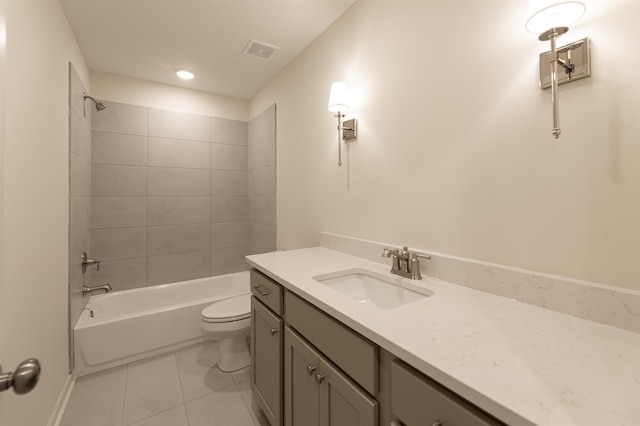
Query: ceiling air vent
[260,50]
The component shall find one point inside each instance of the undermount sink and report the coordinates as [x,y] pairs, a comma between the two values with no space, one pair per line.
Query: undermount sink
[371,288]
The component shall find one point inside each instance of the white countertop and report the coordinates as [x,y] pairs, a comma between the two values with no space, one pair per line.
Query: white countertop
[523,364]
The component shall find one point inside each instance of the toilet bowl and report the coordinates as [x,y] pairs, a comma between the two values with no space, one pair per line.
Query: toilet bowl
[228,321]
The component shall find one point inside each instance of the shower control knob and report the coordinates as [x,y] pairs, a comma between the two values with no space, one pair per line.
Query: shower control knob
[24,379]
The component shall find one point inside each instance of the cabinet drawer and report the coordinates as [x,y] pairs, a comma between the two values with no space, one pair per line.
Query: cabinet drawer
[418,400]
[356,355]
[267,291]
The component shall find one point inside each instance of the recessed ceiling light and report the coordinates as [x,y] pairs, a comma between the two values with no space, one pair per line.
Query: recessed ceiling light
[184,74]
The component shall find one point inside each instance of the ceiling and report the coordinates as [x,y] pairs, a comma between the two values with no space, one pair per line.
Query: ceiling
[149,39]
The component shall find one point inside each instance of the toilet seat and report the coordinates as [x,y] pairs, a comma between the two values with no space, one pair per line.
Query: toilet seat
[235,308]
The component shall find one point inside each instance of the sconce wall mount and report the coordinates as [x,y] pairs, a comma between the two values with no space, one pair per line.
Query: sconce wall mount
[339,103]
[551,19]
[350,130]
[574,58]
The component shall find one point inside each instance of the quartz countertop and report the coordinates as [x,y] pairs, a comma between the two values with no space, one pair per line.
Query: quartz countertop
[523,364]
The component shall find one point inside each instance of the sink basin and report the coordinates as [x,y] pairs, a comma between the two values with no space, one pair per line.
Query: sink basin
[371,288]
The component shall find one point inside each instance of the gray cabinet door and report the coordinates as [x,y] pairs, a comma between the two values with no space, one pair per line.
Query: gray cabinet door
[266,359]
[343,403]
[302,393]
[318,394]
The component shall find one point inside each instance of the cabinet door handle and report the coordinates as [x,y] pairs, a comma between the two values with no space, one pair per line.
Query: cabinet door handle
[261,290]
[274,331]
[437,423]
[310,369]
[319,378]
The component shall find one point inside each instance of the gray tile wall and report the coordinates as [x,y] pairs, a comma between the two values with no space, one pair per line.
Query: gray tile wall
[262,181]
[170,194]
[79,196]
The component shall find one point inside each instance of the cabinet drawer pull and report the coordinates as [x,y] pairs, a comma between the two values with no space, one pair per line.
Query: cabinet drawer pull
[319,378]
[310,369]
[274,331]
[437,423]
[261,290]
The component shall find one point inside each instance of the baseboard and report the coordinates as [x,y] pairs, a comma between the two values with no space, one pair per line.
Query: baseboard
[61,403]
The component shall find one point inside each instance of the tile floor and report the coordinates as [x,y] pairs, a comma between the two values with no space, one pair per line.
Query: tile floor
[180,388]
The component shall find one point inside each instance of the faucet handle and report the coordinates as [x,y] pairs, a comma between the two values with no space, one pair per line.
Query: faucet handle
[394,254]
[387,252]
[420,255]
[415,265]
[86,261]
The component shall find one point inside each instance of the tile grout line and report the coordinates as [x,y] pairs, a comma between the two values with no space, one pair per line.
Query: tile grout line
[175,362]
[184,399]
[146,275]
[247,404]
[124,394]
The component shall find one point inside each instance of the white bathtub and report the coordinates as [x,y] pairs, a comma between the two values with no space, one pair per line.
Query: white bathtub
[134,324]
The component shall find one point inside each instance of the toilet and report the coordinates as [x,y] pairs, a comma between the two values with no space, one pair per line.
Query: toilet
[228,321]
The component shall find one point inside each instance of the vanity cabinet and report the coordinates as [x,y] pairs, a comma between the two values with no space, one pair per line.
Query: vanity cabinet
[417,400]
[331,372]
[266,346]
[310,369]
[356,355]
[318,394]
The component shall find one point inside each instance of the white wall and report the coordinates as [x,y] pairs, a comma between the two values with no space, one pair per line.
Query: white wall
[155,95]
[455,153]
[35,175]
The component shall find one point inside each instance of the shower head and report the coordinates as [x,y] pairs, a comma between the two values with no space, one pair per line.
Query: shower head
[99,105]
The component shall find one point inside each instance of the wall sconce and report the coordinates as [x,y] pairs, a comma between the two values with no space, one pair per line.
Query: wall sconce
[339,103]
[551,19]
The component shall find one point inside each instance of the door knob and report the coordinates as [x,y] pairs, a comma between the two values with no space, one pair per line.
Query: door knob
[24,379]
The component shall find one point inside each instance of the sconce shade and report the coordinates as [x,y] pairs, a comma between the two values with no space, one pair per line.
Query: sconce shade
[546,14]
[339,97]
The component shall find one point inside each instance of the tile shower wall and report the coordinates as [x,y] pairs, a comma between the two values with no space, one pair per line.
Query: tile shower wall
[169,196]
[79,193]
[262,181]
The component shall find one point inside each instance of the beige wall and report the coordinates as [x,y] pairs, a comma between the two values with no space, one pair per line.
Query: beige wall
[155,95]
[455,153]
[35,210]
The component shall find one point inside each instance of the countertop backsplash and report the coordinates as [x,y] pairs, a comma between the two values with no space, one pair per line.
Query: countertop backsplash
[613,306]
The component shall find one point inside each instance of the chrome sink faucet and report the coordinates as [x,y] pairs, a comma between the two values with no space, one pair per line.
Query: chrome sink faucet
[405,263]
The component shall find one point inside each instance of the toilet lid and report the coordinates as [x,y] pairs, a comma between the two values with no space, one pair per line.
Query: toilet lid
[232,309]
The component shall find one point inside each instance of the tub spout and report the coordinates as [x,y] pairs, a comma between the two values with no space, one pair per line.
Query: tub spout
[88,290]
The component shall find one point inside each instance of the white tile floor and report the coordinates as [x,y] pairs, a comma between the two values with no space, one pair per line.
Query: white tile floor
[180,388]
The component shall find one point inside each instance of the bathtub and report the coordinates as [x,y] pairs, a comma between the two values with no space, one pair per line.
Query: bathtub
[125,326]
